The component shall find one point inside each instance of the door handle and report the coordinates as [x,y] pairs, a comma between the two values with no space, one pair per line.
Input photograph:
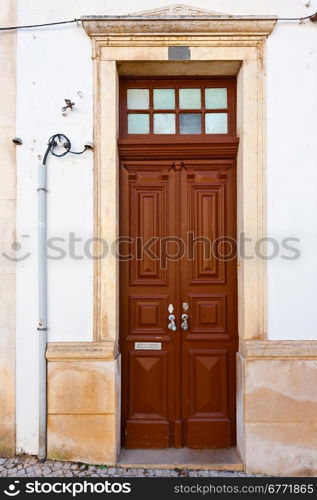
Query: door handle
[184,323]
[172,325]
[171,318]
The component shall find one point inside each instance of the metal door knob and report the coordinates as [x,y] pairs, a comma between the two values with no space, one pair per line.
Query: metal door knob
[184,323]
[172,325]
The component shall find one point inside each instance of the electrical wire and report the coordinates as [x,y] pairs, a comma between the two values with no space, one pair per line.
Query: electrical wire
[301,19]
[59,140]
[38,25]
[313,17]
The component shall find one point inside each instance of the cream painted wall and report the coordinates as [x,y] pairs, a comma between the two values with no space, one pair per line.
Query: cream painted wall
[55,63]
[7,231]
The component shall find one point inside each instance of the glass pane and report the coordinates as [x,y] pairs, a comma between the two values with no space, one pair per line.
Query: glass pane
[164,98]
[189,98]
[164,123]
[216,123]
[190,123]
[215,98]
[138,99]
[138,123]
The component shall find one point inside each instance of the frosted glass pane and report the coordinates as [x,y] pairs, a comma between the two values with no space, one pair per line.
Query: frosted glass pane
[138,123]
[164,123]
[215,98]
[189,98]
[216,123]
[164,98]
[190,123]
[138,99]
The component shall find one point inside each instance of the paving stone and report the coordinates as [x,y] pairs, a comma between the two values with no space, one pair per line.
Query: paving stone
[214,473]
[57,464]
[13,461]
[13,470]
[128,472]
[112,471]
[29,466]
[158,472]
[193,473]
[166,473]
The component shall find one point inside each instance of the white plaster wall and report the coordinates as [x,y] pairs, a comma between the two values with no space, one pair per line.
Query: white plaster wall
[292,178]
[55,63]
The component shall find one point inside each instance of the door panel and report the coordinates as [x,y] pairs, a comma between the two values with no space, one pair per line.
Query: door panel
[184,393]
[148,425]
[208,316]
[208,383]
[147,216]
[209,345]
[147,316]
[205,222]
[208,425]
[149,221]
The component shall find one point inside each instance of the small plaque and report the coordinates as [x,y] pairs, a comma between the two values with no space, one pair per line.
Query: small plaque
[178,53]
[148,346]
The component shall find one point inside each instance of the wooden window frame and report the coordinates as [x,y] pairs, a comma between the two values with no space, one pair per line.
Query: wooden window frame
[177,83]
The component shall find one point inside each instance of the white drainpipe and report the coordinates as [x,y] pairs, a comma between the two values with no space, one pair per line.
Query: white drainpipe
[42,324]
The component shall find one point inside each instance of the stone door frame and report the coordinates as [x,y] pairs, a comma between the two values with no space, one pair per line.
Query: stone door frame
[142,42]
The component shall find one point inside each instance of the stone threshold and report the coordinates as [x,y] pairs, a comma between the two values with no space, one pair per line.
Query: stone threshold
[224,459]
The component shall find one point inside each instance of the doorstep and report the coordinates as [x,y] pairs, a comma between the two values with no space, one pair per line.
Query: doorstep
[182,458]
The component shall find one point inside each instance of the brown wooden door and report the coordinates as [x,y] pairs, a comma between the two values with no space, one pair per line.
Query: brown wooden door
[178,387]
[208,284]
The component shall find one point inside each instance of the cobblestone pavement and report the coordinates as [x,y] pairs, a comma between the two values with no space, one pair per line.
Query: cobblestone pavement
[28,466]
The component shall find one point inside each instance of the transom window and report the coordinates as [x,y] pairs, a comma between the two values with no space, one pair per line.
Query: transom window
[173,107]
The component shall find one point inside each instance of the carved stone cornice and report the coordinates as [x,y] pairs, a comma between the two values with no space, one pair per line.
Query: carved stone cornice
[178,19]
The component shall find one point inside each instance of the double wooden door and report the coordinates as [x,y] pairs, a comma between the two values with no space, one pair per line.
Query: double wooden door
[178,303]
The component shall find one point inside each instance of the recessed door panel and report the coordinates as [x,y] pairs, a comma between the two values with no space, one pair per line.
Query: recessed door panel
[205,217]
[148,395]
[147,314]
[208,383]
[147,226]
